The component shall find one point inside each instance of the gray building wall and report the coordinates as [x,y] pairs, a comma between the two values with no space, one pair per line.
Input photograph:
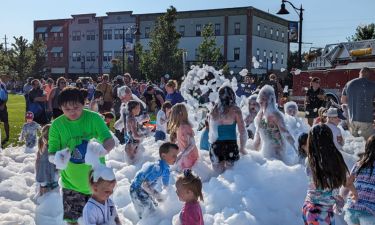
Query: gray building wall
[84,24]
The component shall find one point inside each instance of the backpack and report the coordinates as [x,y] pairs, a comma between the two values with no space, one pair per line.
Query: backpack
[3,93]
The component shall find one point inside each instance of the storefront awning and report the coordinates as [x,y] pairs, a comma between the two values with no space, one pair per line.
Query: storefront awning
[41,30]
[56,29]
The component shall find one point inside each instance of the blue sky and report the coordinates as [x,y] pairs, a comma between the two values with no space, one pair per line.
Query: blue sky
[325,21]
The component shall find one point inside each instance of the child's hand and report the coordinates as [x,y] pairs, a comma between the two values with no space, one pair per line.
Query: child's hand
[62,158]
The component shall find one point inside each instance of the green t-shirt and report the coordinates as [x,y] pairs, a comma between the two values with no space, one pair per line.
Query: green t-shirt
[65,133]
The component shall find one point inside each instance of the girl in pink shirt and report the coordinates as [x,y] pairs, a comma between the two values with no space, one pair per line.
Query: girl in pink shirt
[189,190]
[181,132]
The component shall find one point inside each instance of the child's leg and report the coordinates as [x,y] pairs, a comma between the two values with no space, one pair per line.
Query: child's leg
[142,202]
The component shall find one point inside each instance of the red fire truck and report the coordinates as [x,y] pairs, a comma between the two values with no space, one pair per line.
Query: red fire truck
[338,64]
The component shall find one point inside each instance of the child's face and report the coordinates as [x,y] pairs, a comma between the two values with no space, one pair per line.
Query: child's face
[184,194]
[253,105]
[29,120]
[102,191]
[171,156]
[291,111]
[72,110]
[168,111]
[136,110]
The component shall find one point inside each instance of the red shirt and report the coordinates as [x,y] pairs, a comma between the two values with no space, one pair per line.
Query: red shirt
[191,214]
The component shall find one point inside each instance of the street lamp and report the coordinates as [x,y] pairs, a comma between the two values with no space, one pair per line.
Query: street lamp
[283,11]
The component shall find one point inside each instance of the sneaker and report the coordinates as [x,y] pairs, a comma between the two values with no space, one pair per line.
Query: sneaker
[4,141]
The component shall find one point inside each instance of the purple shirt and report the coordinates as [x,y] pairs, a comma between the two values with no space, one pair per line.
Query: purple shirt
[191,214]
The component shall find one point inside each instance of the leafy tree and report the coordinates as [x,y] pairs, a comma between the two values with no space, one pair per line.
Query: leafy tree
[164,56]
[294,63]
[21,58]
[208,51]
[116,68]
[39,51]
[364,32]
[3,60]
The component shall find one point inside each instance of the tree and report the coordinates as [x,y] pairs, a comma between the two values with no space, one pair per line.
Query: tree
[21,58]
[364,32]
[208,51]
[164,56]
[293,61]
[39,51]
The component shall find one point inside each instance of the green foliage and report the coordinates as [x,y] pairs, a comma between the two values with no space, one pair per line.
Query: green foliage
[39,51]
[294,63]
[364,32]
[164,56]
[21,58]
[208,51]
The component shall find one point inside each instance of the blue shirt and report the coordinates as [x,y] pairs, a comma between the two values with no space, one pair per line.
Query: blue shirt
[174,98]
[227,132]
[151,173]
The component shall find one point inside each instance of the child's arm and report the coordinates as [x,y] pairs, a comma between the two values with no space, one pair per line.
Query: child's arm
[186,136]
[132,125]
[89,215]
[349,188]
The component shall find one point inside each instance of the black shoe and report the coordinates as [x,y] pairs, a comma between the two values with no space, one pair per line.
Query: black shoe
[4,141]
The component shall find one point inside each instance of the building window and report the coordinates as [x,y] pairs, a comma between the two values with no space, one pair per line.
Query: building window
[277,57]
[107,56]
[147,32]
[277,34]
[76,56]
[182,30]
[118,33]
[76,35]
[107,34]
[258,54]
[236,54]
[217,29]
[118,55]
[55,36]
[282,35]
[90,56]
[265,31]
[282,58]
[271,33]
[264,55]
[196,54]
[258,29]
[198,29]
[90,35]
[237,28]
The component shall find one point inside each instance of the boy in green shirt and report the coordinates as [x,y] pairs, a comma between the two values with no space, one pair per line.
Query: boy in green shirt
[73,130]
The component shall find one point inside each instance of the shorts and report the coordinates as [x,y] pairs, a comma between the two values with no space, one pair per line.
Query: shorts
[353,216]
[224,151]
[315,214]
[73,203]
[143,203]
[4,114]
[159,135]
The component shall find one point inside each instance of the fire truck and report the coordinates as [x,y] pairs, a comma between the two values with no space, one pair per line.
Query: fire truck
[338,64]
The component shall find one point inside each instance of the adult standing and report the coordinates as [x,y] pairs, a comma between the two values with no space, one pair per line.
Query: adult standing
[26,89]
[106,88]
[173,95]
[37,103]
[4,111]
[314,99]
[53,106]
[127,79]
[117,101]
[223,120]
[359,94]
[247,87]
[154,98]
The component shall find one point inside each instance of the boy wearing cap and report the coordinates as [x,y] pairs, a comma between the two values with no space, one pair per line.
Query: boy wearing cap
[29,132]
[332,122]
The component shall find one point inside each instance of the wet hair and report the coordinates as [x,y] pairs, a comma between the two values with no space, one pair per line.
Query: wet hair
[268,92]
[124,90]
[70,95]
[172,83]
[100,180]
[166,147]
[191,182]
[227,98]
[131,105]
[368,158]
[179,115]
[327,165]
[166,105]
[302,140]
[289,105]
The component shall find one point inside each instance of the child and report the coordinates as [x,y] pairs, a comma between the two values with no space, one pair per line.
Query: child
[73,130]
[332,122]
[295,124]
[253,109]
[361,209]
[326,171]
[29,132]
[45,171]
[182,132]
[189,190]
[96,101]
[322,118]
[108,117]
[133,136]
[142,188]
[100,209]
[302,147]
[161,121]
[204,144]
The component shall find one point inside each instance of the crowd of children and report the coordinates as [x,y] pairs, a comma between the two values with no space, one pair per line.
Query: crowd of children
[63,147]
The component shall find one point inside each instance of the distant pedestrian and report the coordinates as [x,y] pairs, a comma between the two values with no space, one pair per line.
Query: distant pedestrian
[314,100]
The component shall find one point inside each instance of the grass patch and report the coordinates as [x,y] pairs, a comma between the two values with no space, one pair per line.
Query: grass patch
[16,114]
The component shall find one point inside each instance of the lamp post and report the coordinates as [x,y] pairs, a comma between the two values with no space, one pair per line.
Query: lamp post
[299,12]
